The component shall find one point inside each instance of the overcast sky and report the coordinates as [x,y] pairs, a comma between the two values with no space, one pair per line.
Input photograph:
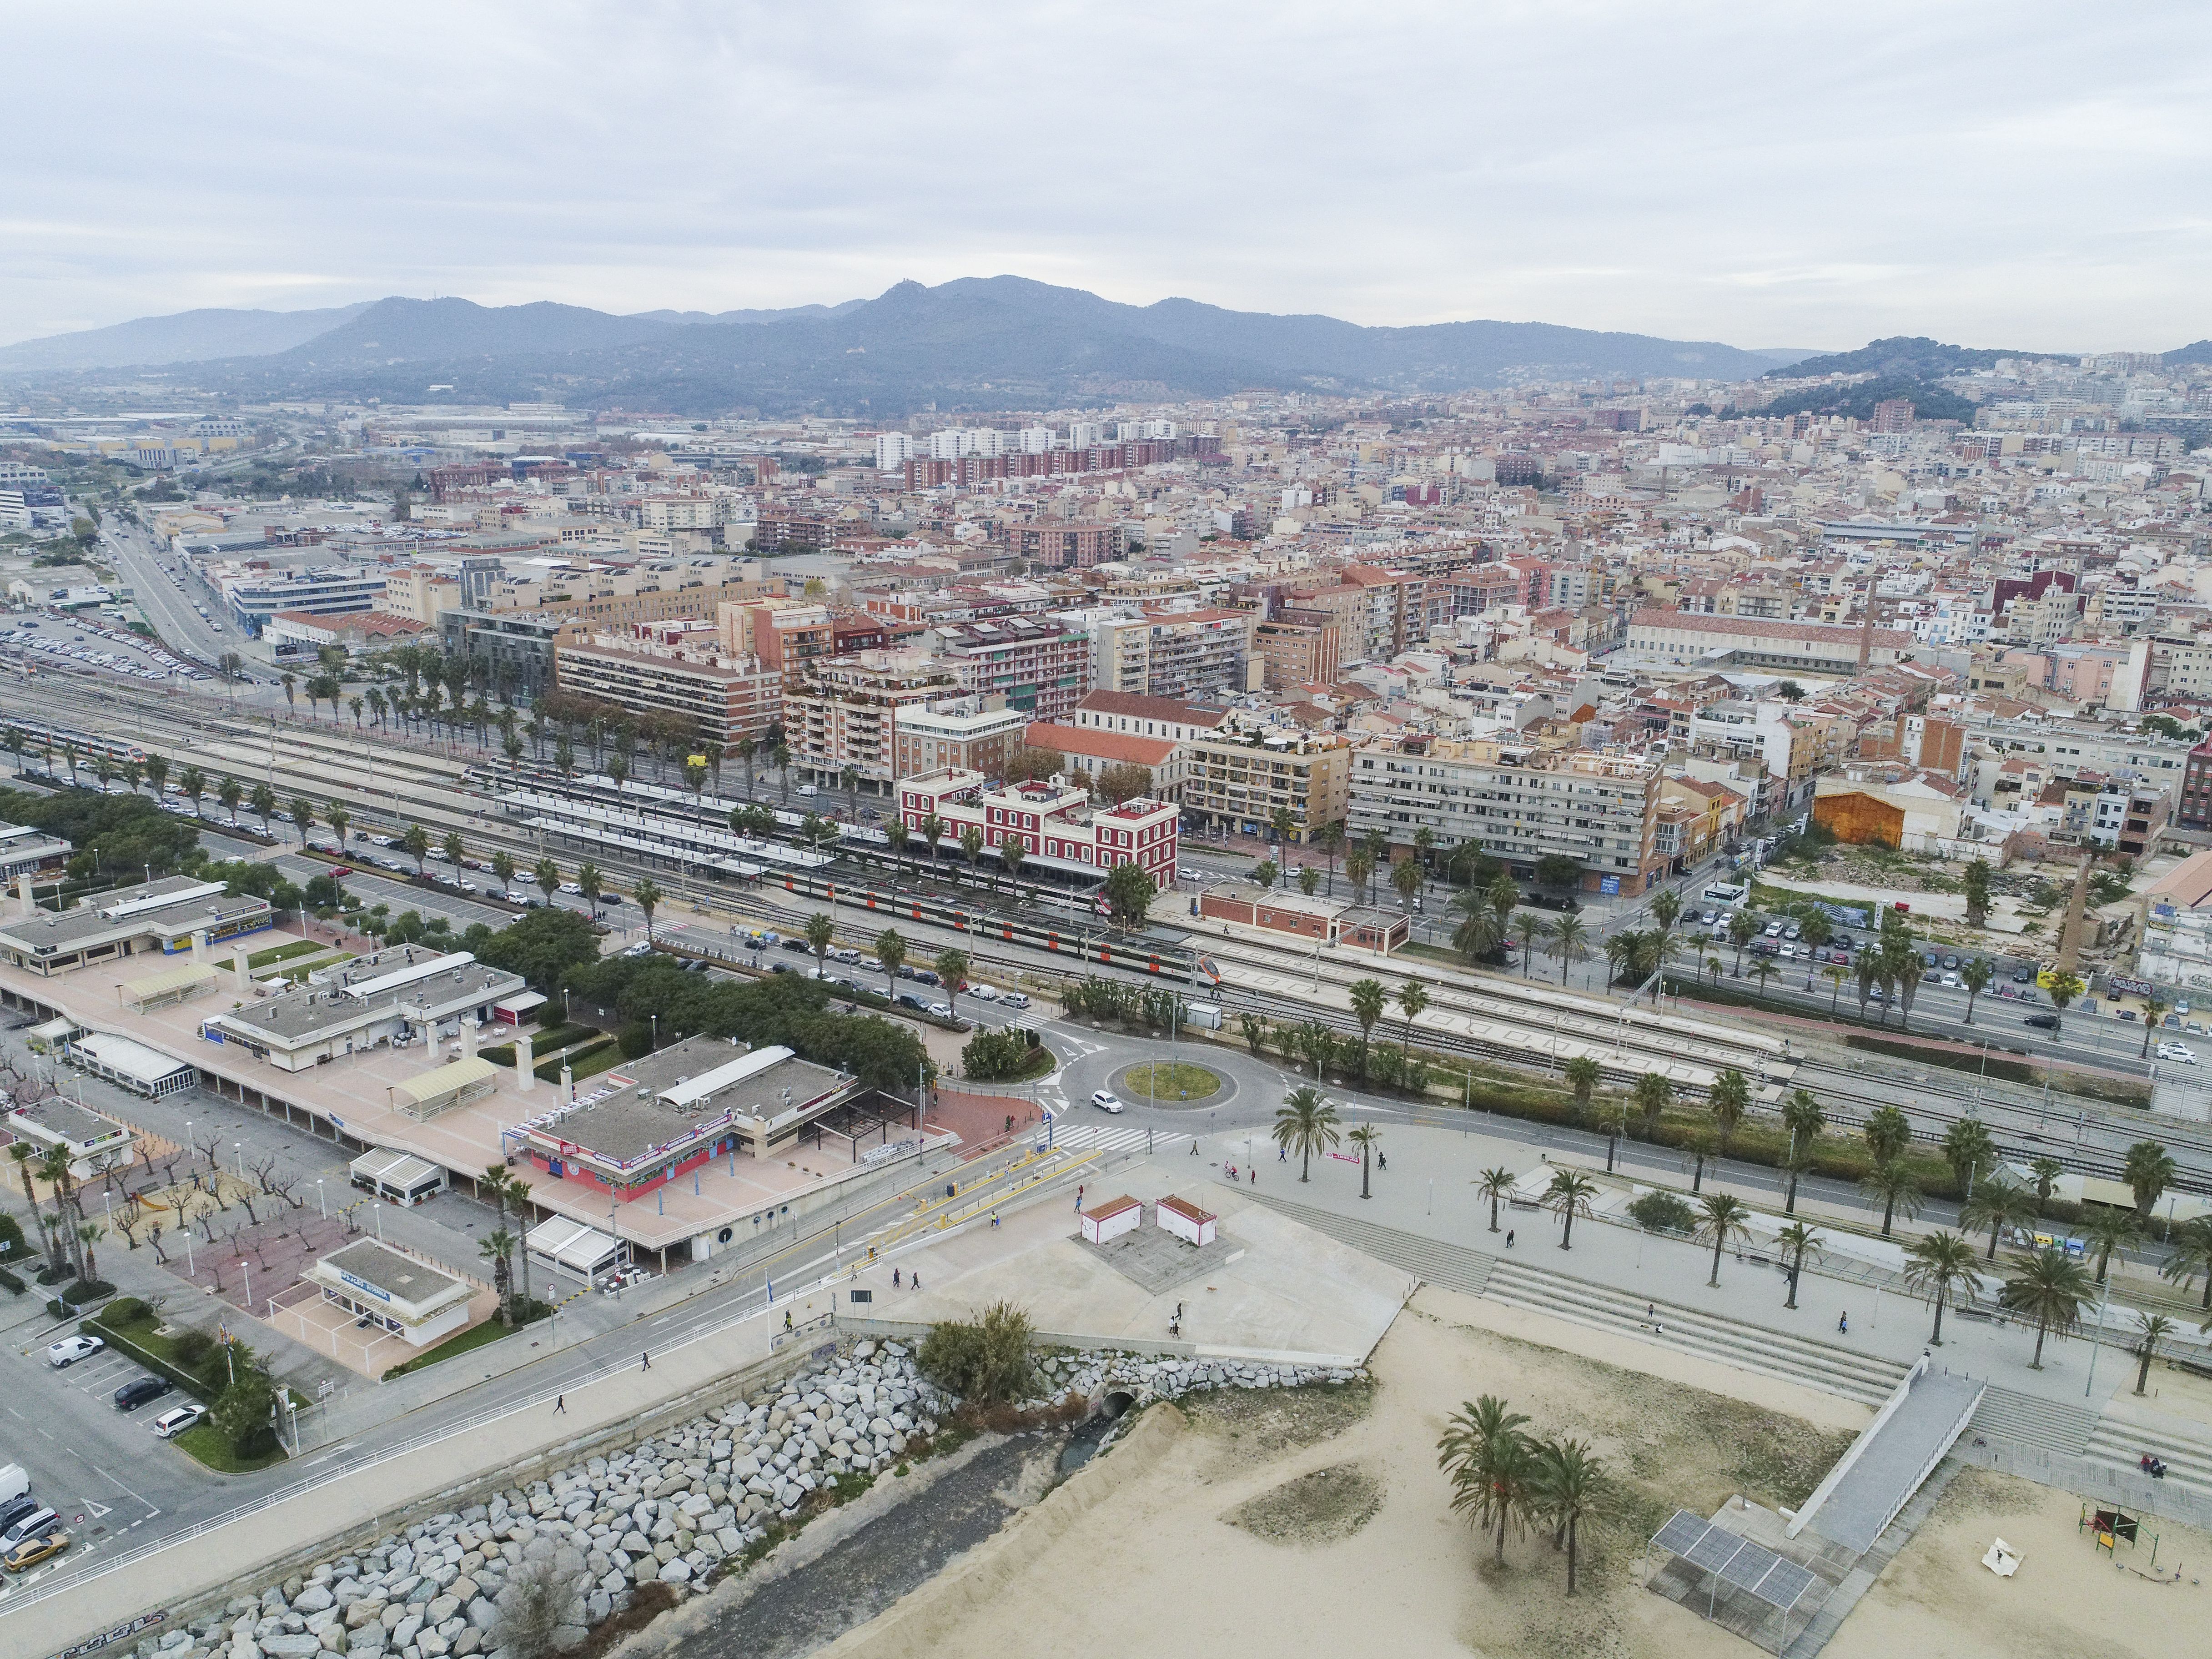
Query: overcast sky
[1996,175]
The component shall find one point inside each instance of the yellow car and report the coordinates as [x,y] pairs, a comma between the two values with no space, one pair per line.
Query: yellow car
[32,1551]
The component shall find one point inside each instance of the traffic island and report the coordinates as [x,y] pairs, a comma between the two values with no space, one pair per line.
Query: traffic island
[1169,1082]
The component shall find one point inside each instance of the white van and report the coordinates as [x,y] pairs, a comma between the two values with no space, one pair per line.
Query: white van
[15,1481]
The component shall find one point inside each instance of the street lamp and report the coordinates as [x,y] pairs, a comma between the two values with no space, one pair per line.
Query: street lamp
[322,1199]
[248,1271]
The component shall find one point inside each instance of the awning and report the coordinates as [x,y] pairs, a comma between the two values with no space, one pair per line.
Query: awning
[389,1167]
[451,1084]
[157,990]
[583,1250]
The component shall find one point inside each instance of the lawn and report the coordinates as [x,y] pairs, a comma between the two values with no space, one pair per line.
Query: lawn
[285,952]
[1161,1081]
[475,1337]
[213,1449]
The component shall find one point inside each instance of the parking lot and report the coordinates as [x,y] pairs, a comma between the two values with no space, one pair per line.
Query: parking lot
[400,896]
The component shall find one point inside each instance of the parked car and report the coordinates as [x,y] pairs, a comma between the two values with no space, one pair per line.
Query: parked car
[1106,1101]
[2179,1052]
[1013,999]
[39,1521]
[133,1394]
[982,993]
[175,1420]
[70,1349]
[2042,1021]
[41,1546]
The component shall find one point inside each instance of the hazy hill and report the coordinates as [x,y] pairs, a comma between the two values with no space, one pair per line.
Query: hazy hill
[185,336]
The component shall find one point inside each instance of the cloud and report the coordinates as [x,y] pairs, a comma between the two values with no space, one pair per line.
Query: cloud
[2011,174]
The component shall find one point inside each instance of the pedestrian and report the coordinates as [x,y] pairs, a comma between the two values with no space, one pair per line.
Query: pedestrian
[787,1319]
[1282,1154]
[645,1360]
[917,1278]
[1256,1177]
[1194,1147]
[994,1217]
[1843,1323]
[1651,1310]
[560,1405]
[1509,1238]
[1381,1159]
[895,1279]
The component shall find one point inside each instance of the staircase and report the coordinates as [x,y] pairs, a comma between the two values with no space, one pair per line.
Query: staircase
[2029,1421]
[1452,1266]
[1733,1342]
[2187,1449]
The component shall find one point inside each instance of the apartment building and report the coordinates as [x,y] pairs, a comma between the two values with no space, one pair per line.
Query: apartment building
[1064,546]
[1679,636]
[421,593]
[1085,752]
[1237,780]
[722,698]
[1055,823]
[1519,803]
[1173,653]
[961,737]
[841,712]
[1292,650]
[1039,666]
[1148,717]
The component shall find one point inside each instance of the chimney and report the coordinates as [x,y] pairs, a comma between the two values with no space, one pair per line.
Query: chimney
[239,953]
[525,1078]
[23,892]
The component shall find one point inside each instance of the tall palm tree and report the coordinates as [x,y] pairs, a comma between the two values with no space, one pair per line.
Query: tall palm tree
[1570,1193]
[1937,1265]
[820,934]
[2106,1230]
[1358,866]
[191,781]
[1583,1074]
[1570,943]
[933,831]
[2051,1288]
[1486,1455]
[1479,929]
[952,968]
[1413,998]
[1976,976]
[493,1185]
[2151,1329]
[1306,1124]
[1571,1482]
[1892,1185]
[1534,930]
[1887,1133]
[1797,1240]
[1729,1099]
[1367,1138]
[891,951]
[2190,1257]
[1721,1216]
[1802,1118]
[1996,1205]
[648,899]
[1494,1185]
[1655,1092]
[2149,1171]
[1742,929]
[1331,837]
[1369,1000]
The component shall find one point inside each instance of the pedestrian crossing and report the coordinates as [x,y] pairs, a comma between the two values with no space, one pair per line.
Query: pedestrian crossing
[1112,1137]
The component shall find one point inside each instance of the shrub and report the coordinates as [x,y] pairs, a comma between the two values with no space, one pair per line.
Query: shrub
[87,1289]
[1662,1212]
[241,1414]
[636,1040]
[126,1311]
[994,1055]
[11,1234]
[14,1284]
[190,1348]
[984,1360]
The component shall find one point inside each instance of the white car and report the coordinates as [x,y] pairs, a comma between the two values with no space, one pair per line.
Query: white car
[570,888]
[1013,999]
[2177,1051]
[174,1422]
[982,993]
[1105,1101]
[70,1349]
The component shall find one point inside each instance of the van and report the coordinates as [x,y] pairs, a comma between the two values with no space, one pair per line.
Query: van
[39,1521]
[15,1481]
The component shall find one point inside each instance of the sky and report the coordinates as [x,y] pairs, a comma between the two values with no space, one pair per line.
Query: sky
[2010,175]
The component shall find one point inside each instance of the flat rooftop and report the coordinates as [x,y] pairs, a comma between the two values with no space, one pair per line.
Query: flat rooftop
[135,911]
[399,1277]
[663,1099]
[295,1016]
[66,1118]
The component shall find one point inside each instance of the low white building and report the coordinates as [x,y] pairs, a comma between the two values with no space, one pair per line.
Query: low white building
[1110,1220]
[408,1297]
[1185,1220]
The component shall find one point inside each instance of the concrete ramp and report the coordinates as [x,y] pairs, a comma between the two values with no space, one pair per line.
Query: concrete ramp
[1884,1466]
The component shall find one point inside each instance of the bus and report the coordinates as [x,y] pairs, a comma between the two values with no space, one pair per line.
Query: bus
[1723,892]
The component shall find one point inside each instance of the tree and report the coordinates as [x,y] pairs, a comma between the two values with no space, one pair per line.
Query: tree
[1331,837]
[1368,998]
[1264,874]
[230,793]
[1481,929]
[1570,943]
[1487,1456]
[157,767]
[2152,1007]
[1968,1149]
[1583,1074]
[1570,1193]
[1887,1133]
[1124,781]
[303,816]
[1534,930]
[2047,1170]
[1309,880]
[1996,1205]
[339,818]
[1358,866]
[588,883]
[648,900]
[1935,1266]
[891,951]
[1129,892]
[1282,826]
[1012,852]
[1742,929]
[1494,1185]
[2190,1257]
[1976,887]
[498,1248]
[1570,1483]
[951,967]
[1798,1240]
[780,758]
[2062,989]
[1802,1118]
[1721,1216]
[2149,1171]
[820,934]
[242,1411]
[416,843]
[1306,1124]
[1976,976]
[1892,1184]
[1729,1099]
[1789,691]
[1366,1137]
[1406,877]
[547,875]
[2151,1329]
[1558,870]
[1655,1092]
[451,848]
[2106,1230]
[2049,1287]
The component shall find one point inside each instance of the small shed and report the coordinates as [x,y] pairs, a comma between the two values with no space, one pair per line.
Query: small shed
[1112,1218]
[1184,1219]
[455,1083]
[396,1177]
[572,1247]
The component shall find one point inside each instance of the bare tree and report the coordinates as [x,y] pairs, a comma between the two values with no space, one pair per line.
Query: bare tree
[154,1237]
[261,1172]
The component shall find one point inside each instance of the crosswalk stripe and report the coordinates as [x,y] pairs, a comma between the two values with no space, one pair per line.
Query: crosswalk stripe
[1086,1137]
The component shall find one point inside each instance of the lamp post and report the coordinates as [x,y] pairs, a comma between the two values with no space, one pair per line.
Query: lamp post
[239,1146]
[247,1270]
[322,1199]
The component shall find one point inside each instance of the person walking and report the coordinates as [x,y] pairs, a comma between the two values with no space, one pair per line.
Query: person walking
[916,1281]
[787,1319]
[994,1217]
[560,1405]
[895,1279]
[1509,1238]
[1843,1323]
[645,1360]
[1282,1153]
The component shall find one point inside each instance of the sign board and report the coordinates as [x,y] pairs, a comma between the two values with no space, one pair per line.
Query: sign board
[1608,884]
[363,1285]
[1848,916]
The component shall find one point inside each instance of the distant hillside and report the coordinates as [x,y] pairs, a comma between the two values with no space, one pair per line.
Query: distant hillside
[1912,358]
[186,337]
[1929,402]
[2199,352]
[994,343]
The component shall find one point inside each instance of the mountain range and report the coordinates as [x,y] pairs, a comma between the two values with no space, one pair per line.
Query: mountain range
[991,343]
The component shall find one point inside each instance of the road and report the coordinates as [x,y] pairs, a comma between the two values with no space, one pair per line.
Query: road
[166,605]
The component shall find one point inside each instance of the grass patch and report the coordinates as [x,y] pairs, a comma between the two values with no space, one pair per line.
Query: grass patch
[604,1058]
[477,1336]
[1171,1080]
[285,952]
[211,1449]
[140,1337]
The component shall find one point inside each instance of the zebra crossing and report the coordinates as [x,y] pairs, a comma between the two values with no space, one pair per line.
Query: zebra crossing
[1111,1137]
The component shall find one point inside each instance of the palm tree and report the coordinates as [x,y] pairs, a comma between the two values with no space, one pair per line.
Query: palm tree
[1481,930]
[1968,1149]
[1582,1075]
[1742,929]
[891,951]
[1802,1116]
[451,848]
[820,934]
[589,883]
[1331,836]
[2050,1287]
[303,816]
[1486,1455]
[1798,1241]
[24,1153]
[1535,930]
[1570,943]
[2047,1170]
[1359,864]
[1996,1205]
[498,1248]
[157,770]
[416,843]
[1012,852]
[1413,998]
[1655,1092]
[2149,1170]
[933,831]
[1306,1124]
[264,802]
[1892,1183]
[1366,1137]
[339,818]
[230,793]
[2190,1255]
[1976,976]
[1721,1216]
[1368,1000]
[1494,1185]
[1570,1483]
[1405,876]
[1887,1133]
[2152,1007]
[780,758]
[1937,1264]
[2151,1329]
[1570,1193]
[2106,1230]
[648,899]
[502,867]
[547,875]
[1729,1099]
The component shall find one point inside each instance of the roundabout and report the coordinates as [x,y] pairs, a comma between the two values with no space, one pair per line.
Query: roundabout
[1170,1085]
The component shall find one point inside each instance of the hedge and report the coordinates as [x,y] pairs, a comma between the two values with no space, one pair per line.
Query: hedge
[14,1284]
[204,1388]
[549,1071]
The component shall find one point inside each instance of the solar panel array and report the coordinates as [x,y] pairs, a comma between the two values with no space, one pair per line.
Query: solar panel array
[1738,1561]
